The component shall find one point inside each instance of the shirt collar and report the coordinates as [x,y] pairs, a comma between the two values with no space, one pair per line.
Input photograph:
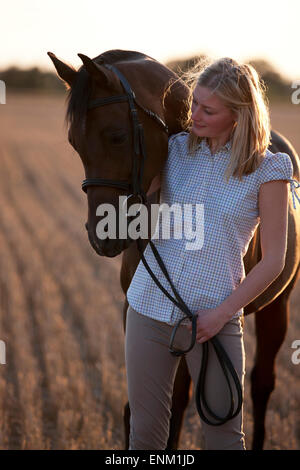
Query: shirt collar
[204,145]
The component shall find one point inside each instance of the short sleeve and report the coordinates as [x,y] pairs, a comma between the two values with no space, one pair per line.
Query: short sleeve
[170,141]
[170,149]
[167,164]
[173,147]
[279,166]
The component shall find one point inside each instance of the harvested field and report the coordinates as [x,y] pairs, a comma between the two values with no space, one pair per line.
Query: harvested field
[64,382]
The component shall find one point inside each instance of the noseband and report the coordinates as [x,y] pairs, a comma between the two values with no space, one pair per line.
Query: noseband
[139,150]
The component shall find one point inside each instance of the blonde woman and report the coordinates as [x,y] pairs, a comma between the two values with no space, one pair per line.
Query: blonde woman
[222,163]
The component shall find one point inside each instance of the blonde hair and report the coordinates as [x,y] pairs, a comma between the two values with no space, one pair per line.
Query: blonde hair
[242,91]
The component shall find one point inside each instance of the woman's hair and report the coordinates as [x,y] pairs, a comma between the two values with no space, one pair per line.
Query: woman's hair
[241,90]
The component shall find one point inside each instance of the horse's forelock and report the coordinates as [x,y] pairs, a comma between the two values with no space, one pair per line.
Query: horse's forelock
[77,100]
[79,93]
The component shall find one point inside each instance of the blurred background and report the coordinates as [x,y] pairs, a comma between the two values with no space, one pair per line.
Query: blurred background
[64,382]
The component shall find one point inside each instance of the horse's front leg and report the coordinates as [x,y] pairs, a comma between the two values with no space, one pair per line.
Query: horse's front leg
[271,326]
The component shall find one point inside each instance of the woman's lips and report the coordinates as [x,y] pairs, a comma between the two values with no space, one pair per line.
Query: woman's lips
[198,125]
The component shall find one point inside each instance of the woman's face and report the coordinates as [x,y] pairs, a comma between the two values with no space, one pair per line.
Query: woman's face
[210,116]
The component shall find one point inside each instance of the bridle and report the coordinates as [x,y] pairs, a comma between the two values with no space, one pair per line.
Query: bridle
[139,148]
[139,154]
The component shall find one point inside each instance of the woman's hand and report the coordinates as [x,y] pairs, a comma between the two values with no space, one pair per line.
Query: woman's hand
[209,323]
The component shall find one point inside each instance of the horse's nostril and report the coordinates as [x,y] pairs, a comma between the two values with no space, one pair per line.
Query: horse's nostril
[86,226]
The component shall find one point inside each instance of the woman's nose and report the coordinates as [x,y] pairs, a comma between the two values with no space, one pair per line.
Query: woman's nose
[196,113]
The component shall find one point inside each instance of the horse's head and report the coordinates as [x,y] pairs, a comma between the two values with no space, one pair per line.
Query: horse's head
[103,136]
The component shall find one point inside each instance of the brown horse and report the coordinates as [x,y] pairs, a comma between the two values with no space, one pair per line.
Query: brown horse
[103,138]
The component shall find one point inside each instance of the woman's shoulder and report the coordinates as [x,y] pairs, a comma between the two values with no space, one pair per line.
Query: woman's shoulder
[177,140]
[276,160]
[275,166]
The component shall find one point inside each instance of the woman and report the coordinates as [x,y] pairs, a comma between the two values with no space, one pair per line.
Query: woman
[222,164]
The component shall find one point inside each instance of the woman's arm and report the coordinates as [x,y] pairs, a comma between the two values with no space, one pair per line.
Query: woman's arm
[273,212]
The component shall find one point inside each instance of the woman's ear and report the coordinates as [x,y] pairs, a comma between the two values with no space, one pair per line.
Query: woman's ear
[235,114]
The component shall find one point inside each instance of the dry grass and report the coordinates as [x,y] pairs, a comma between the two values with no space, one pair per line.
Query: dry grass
[64,384]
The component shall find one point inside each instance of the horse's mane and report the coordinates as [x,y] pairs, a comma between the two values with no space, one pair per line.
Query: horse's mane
[79,94]
[116,55]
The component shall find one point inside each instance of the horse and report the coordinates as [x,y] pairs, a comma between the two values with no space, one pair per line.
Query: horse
[103,138]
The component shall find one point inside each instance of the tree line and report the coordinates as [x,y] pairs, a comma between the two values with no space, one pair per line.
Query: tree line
[33,78]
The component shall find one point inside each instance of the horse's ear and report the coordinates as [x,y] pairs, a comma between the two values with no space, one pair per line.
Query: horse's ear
[100,74]
[64,71]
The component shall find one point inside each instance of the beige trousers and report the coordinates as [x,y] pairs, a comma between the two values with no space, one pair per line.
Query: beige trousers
[151,371]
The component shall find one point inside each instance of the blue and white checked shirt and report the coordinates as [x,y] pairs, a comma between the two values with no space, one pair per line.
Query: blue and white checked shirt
[204,277]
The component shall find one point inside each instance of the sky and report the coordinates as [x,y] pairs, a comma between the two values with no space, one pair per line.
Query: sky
[163,29]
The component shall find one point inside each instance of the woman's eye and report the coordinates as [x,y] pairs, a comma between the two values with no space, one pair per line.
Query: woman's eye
[207,112]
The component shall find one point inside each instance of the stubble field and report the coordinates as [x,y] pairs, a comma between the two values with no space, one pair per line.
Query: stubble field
[64,382]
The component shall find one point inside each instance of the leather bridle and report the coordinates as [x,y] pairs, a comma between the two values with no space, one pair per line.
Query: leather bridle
[139,154]
[139,148]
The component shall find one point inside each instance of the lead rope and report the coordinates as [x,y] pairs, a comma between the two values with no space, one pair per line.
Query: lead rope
[294,185]
[224,360]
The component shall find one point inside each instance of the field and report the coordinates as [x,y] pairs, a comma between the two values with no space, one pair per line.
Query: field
[64,382]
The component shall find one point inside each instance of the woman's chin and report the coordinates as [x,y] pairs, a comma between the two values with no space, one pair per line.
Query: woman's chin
[199,131]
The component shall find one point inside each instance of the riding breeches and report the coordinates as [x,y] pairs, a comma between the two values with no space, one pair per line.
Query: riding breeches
[151,371]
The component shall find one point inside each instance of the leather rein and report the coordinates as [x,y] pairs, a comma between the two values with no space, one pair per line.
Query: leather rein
[139,154]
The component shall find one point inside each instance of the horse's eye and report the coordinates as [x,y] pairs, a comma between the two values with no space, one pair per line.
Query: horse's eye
[118,139]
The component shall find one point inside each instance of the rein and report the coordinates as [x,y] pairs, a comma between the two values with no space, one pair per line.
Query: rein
[139,154]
